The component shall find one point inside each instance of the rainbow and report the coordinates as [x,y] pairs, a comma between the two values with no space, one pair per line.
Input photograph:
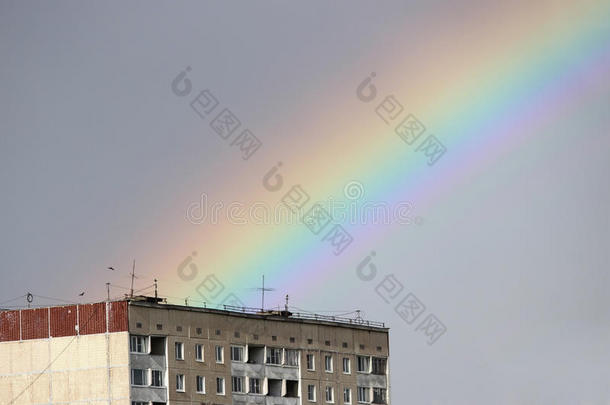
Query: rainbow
[491,99]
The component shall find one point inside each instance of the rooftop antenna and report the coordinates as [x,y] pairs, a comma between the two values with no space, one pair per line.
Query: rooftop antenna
[133,275]
[262,290]
[155,288]
[108,290]
[263,294]
[286,302]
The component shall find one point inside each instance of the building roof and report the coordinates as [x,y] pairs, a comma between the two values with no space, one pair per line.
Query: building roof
[229,310]
[257,313]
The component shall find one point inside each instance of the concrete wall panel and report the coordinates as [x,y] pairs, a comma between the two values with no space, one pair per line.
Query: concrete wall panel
[78,374]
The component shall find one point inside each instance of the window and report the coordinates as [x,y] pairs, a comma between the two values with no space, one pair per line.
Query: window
[220,354]
[237,384]
[364,364]
[364,394]
[137,344]
[138,403]
[292,357]
[138,377]
[274,356]
[311,364]
[347,396]
[237,353]
[328,364]
[329,394]
[180,382]
[255,386]
[179,346]
[200,384]
[311,393]
[379,366]
[156,378]
[347,365]
[379,395]
[220,386]
[199,352]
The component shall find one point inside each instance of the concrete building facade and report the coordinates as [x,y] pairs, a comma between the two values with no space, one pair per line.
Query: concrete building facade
[145,352]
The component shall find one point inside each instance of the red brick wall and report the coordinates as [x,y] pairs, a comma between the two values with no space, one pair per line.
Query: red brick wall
[92,318]
[117,316]
[63,321]
[9,325]
[34,323]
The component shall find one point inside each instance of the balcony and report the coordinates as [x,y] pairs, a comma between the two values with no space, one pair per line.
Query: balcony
[247,399]
[256,354]
[372,380]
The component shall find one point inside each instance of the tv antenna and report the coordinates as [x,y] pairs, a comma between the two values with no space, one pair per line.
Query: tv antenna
[133,275]
[262,290]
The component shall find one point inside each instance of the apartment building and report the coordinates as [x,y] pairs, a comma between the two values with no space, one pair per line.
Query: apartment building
[143,351]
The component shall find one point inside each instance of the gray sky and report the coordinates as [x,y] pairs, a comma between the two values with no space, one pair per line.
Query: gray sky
[99,160]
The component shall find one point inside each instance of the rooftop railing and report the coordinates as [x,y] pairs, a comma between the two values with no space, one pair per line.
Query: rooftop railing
[304,315]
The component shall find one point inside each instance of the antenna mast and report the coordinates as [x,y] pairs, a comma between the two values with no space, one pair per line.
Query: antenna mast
[262,290]
[133,275]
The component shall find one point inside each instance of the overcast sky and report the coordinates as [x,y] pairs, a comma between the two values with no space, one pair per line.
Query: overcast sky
[99,160]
